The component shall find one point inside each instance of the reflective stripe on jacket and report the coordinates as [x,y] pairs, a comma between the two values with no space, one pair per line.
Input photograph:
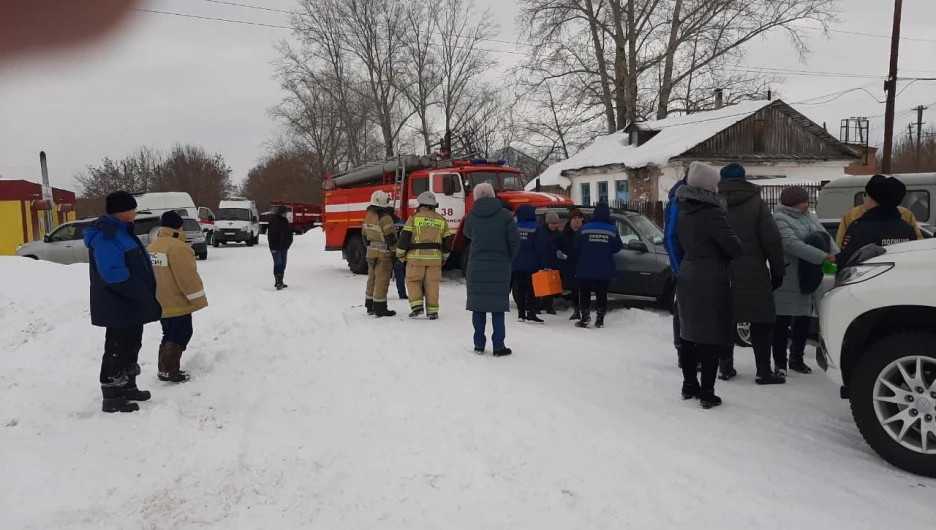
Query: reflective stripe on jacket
[425,237]
[179,288]
[379,232]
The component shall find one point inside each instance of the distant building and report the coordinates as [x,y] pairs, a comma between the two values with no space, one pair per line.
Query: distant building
[772,140]
[22,213]
[867,164]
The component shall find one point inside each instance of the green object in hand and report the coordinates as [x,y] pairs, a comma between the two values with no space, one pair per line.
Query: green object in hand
[829,268]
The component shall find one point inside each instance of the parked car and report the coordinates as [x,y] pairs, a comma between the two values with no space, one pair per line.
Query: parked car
[877,344]
[844,193]
[65,244]
[643,269]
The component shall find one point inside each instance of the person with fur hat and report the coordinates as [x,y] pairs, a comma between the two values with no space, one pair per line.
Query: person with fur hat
[799,229]
[855,213]
[703,292]
[180,292]
[756,273]
[883,223]
[279,238]
[123,299]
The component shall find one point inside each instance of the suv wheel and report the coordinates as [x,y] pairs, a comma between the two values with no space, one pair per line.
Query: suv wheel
[743,335]
[893,400]
[250,240]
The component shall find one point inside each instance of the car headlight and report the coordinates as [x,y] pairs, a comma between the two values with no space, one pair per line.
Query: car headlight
[244,228]
[861,273]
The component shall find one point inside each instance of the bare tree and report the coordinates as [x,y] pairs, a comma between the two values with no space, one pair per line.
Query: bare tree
[137,172]
[421,79]
[287,173]
[188,168]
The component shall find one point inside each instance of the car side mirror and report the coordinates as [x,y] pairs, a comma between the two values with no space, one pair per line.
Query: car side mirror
[637,245]
[254,219]
[46,238]
[210,218]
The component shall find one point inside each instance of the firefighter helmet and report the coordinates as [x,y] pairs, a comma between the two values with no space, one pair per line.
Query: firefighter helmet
[427,198]
[380,199]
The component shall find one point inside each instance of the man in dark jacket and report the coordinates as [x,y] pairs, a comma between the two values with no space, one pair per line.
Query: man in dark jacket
[597,242]
[495,242]
[882,223]
[752,283]
[399,266]
[532,258]
[280,238]
[123,299]
[553,229]
[674,250]
[569,257]
[706,315]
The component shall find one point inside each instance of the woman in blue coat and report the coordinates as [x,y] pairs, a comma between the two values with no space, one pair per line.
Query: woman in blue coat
[494,244]
[597,242]
[533,257]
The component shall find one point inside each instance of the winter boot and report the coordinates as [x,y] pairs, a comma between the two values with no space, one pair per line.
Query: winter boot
[115,401]
[781,373]
[172,358]
[416,312]
[531,317]
[726,368]
[432,316]
[599,319]
[132,393]
[503,352]
[767,377]
[585,320]
[282,284]
[709,400]
[691,391]
[380,310]
[479,350]
[576,315]
[369,306]
[797,365]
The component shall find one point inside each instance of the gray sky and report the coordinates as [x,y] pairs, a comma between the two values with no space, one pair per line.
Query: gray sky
[164,79]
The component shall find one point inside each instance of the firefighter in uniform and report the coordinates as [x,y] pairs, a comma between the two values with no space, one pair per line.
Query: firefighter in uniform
[425,245]
[380,234]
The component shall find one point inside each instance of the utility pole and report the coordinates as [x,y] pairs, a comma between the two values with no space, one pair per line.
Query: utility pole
[919,127]
[890,87]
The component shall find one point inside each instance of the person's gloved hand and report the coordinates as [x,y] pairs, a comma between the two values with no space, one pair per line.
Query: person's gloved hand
[776,280]
[561,255]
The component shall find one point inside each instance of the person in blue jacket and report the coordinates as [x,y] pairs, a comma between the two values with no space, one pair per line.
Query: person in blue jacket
[674,250]
[533,257]
[597,242]
[123,299]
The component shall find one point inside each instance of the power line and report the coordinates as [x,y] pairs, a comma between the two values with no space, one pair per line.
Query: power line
[863,34]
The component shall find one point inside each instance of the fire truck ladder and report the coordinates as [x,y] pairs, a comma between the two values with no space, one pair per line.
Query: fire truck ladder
[398,180]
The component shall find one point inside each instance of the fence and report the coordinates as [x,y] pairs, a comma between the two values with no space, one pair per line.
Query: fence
[771,194]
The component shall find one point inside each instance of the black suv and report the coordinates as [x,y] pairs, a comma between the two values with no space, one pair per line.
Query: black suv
[643,268]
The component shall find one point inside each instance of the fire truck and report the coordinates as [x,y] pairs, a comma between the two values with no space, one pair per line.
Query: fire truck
[347,196]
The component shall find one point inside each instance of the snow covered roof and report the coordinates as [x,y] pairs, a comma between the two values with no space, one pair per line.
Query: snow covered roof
[675,136]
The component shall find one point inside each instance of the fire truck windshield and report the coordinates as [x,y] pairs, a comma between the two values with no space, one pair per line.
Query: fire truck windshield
[500,181]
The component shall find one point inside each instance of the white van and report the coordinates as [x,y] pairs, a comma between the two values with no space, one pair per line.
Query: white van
[237,220]
[160,202]
[844,193]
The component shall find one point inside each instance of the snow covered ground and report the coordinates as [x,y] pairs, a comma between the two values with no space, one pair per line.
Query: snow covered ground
[305,413]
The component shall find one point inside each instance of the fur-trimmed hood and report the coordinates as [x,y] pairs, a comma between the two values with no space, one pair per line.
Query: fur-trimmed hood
[694,198]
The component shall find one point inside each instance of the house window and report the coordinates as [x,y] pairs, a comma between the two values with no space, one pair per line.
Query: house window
[603,192]
[620,191]
[586,193]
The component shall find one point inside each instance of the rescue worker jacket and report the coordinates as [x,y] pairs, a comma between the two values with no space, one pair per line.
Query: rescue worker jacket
[179,288]
[855,213]
[425,239]
[379,233]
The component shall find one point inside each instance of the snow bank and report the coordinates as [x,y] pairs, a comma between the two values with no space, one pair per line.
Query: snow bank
[305,413]
[676,136]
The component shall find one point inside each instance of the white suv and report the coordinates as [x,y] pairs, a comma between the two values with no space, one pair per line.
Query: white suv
[878,341]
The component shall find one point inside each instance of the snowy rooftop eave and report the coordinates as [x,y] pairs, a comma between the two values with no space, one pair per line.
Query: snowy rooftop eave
[676,136]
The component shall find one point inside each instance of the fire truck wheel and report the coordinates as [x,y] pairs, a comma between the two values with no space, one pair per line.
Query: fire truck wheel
[356,255]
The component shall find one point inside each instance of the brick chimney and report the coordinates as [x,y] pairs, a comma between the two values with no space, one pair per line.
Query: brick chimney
[719,98]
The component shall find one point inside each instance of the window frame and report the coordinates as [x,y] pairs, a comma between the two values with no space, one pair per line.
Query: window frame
[585,191]
[604,184]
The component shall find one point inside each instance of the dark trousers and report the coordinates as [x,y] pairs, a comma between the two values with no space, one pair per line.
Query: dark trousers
[677,340]
[586,288]
[279,261]
[693,353]
[119,363]
[177,330]
[761,341]
[792,329]
[576,295]
[399,274]
[479,320]
[523,293]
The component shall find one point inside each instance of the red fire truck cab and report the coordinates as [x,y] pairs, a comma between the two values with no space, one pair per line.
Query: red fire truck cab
[348,195]
[302,216]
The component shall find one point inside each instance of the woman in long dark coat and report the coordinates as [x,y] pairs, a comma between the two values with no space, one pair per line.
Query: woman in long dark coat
[495,242]
[703,291]
[752,283]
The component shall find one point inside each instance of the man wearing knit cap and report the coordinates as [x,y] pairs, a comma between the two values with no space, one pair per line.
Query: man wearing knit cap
[123,299]
[852,215]
[180,292]
[883,223]
[553,228]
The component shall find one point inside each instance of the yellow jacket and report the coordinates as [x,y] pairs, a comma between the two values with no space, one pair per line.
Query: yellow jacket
[425,238]
[852,215]
[179,288]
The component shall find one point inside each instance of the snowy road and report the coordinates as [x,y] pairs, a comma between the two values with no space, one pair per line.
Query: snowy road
[305,413]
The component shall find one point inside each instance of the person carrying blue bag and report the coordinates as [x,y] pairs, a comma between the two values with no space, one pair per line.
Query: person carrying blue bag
[597,242]
[533,257]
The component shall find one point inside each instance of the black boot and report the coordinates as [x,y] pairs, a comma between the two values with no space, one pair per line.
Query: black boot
[503,352]
[282,284]
[115,401]
[369,306]
[691,391]
[416,312]
[599,319]
[380,310]
[710,356]
[576,315]
[709,400]
[766,377]
[797,364]
[585,320]
[726,368]
[132,393]
[531,317]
